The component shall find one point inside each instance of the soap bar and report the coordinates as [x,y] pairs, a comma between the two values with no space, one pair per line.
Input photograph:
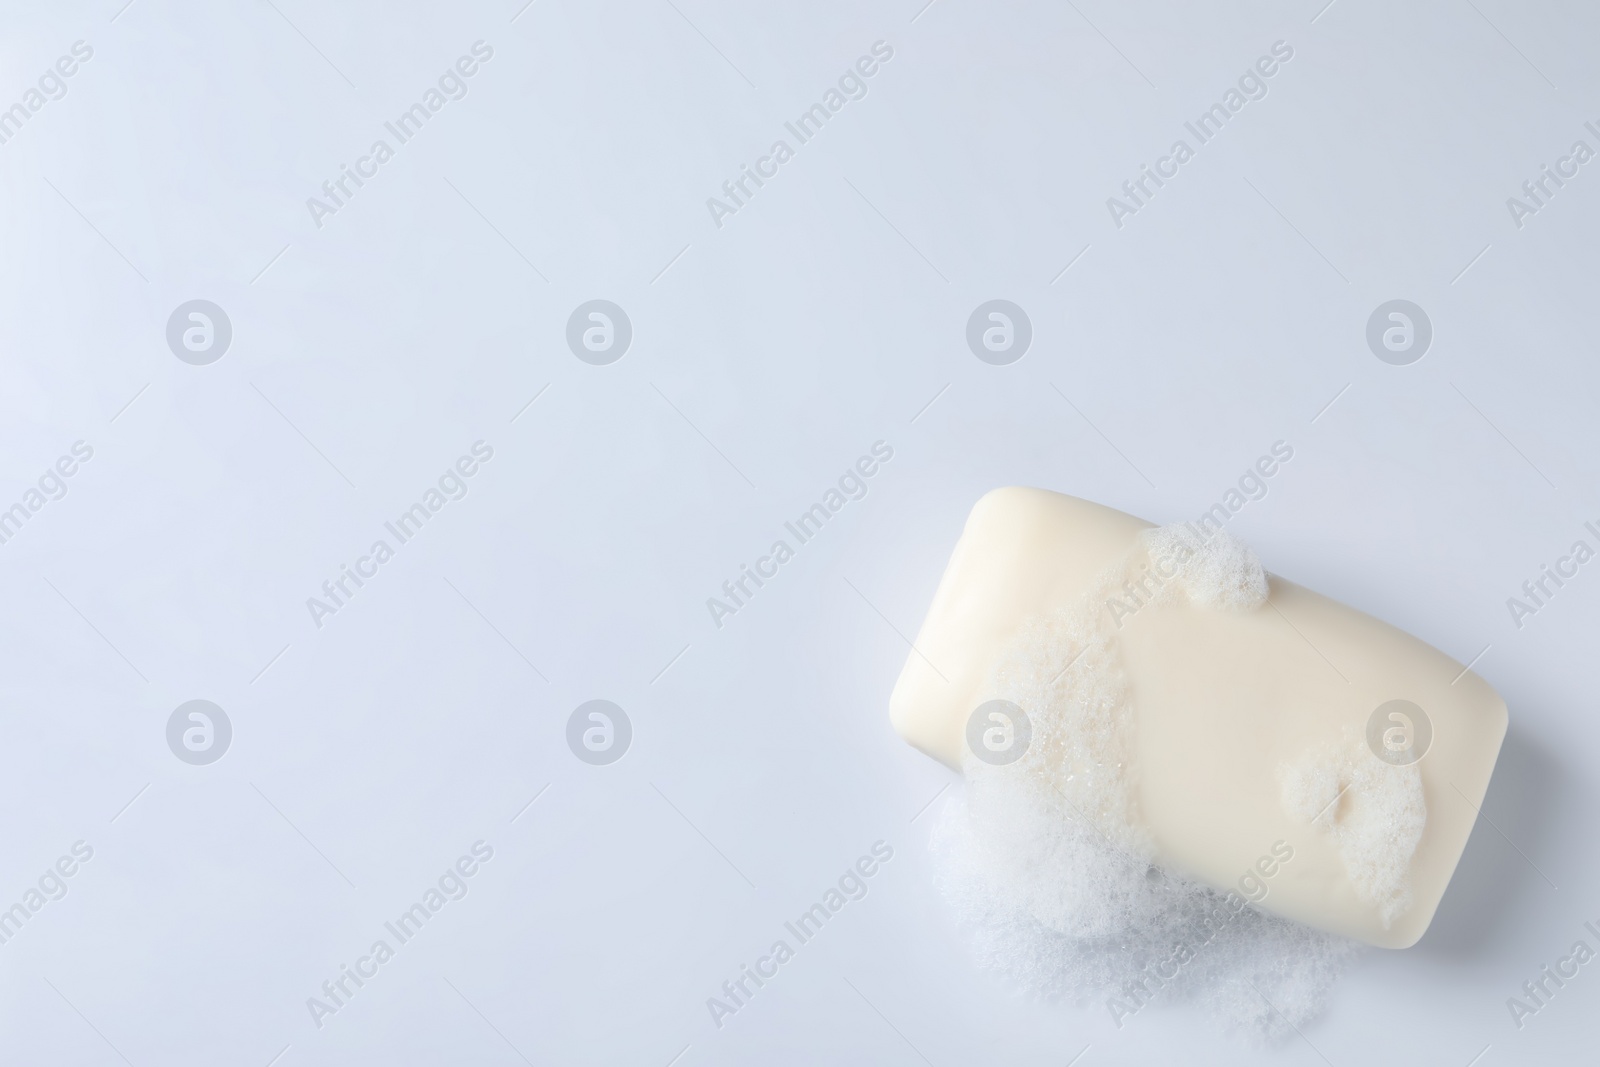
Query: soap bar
[1290,724]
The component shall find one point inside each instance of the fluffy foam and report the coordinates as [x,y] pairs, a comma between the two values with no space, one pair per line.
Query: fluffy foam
[1375,811]
[1218,571]
[1046,861]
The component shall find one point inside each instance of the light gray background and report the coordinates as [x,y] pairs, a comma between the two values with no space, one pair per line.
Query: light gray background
[767,355]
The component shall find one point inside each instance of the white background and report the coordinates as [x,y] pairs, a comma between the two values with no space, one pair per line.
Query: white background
[369,353]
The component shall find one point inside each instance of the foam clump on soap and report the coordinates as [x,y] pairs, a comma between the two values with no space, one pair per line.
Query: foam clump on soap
[1216,570]
[1375,811]
[1047,865]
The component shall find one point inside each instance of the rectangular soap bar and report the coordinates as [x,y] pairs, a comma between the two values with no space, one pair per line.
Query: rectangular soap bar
[1241,717]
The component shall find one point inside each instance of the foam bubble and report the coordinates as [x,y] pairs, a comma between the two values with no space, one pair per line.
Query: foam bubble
[1046,860]
[1374,810]
[1216,571]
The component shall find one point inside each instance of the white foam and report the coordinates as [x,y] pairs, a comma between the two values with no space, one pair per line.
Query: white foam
[1046,861]
[1216,571]
[1374,810]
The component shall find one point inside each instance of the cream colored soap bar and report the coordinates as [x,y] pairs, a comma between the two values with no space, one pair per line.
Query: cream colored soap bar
[1228,707]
